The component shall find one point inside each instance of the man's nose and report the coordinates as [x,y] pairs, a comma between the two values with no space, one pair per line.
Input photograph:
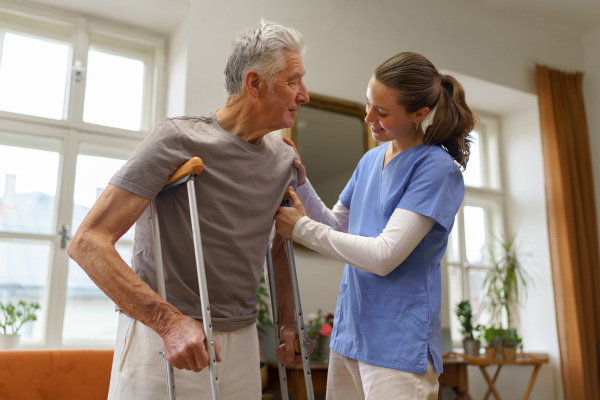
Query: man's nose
[303,97]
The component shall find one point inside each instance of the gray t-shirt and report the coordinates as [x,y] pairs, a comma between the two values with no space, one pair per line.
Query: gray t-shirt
[238,194]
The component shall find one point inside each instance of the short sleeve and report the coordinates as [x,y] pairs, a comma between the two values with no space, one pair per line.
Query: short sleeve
[346,195]
[146,172]
[435,189]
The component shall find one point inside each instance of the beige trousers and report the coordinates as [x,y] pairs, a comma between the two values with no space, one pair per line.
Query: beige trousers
[348,379]
[139,370]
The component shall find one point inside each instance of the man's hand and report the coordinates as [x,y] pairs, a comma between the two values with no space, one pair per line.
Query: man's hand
[184,344]
[287,217]
[286,352]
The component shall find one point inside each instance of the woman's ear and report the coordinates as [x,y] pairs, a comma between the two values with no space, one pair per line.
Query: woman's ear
[421,114]
[252,83]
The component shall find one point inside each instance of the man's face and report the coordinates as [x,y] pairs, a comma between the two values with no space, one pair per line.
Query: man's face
[286,93]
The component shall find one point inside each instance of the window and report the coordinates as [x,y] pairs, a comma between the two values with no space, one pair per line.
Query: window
[76,99]
[478,223]
[37,65]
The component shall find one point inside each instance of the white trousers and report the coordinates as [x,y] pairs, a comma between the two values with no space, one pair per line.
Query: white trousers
[349,379]
[139,371]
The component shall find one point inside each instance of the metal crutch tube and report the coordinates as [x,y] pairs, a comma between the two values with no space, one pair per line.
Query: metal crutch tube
[160,281]
[187,174]
[303,343]
[270,276]
[299,319]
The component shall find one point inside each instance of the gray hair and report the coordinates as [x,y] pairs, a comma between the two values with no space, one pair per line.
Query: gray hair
[260,49]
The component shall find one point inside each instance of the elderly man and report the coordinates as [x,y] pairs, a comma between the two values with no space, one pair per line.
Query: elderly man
[245,176]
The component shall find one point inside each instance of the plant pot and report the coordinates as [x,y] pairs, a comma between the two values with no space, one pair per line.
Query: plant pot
[471,347]
[510,354]
[9,342]
[490,353]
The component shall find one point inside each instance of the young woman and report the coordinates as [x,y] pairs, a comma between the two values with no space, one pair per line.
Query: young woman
[391,226]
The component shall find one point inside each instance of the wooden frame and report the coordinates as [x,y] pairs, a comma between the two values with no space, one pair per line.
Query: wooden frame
[340,106]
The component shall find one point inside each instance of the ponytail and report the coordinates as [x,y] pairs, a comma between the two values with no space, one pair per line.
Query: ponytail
[452,121]
[419,84]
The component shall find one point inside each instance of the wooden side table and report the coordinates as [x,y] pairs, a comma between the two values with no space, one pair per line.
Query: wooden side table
[455,376]
[295,379]
[522,359]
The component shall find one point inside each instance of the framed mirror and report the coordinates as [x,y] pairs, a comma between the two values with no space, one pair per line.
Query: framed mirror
[331,136]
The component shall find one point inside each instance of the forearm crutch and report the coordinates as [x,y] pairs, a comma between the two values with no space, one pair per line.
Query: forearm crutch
[302,342]
[187,174]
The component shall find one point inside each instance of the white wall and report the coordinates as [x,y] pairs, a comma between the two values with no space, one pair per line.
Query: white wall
[526,215]
[591,84]
[347,39]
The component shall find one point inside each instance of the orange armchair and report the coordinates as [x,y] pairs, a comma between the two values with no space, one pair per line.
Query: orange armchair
[55,374]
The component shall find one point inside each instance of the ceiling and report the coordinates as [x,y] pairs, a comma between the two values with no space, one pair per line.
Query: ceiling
[163,16]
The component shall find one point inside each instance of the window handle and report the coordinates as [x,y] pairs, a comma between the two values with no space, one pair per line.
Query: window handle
[79,69]
[64,236]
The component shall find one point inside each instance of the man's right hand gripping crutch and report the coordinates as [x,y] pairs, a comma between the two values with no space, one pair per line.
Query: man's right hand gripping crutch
[187,174]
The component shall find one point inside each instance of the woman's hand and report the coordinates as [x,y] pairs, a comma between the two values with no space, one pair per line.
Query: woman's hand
[297,163]
[287,217]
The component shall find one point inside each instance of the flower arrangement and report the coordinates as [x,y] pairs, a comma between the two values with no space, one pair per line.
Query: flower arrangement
[319,329]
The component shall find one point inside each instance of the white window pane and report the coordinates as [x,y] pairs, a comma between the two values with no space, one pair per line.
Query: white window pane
[455,295]
[89,313]
[33,76]
[475,234]
[476,294]
[28,180]
[92,175]
[23,276]
[452,251]
[472,174]
[114,91]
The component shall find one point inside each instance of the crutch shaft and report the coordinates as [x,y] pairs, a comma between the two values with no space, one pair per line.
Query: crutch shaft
[203,291]
[270,276]
[160,281]
[299,320]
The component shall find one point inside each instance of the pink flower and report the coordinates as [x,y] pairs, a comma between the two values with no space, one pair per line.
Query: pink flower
[326,330]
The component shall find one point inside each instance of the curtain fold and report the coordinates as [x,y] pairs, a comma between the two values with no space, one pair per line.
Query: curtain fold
[572,229]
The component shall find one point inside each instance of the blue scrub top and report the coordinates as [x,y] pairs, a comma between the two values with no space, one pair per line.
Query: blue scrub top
[392,321]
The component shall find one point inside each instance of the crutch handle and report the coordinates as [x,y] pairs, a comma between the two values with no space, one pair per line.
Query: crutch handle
[193,166]
[296,346]
[287,195]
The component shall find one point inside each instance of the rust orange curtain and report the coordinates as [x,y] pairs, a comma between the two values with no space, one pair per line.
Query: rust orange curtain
[573,230]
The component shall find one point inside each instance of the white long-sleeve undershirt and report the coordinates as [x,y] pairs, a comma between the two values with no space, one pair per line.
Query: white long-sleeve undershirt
[325,230]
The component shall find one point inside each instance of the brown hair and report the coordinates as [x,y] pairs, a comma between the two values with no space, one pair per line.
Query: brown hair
[419,84]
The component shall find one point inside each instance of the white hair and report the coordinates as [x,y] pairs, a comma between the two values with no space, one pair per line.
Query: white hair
[261,49]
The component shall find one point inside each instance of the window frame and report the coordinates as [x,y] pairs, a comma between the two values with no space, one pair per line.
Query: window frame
[77,137]
[490,196]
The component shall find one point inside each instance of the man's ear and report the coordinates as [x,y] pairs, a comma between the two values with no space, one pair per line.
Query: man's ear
[252,83]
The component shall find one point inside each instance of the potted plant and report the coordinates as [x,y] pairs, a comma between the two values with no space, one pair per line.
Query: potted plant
[506,282]
[12,319]
[492,338]
[471,345]
[510,342]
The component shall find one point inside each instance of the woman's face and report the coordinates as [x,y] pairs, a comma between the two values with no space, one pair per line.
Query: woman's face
[388,119]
